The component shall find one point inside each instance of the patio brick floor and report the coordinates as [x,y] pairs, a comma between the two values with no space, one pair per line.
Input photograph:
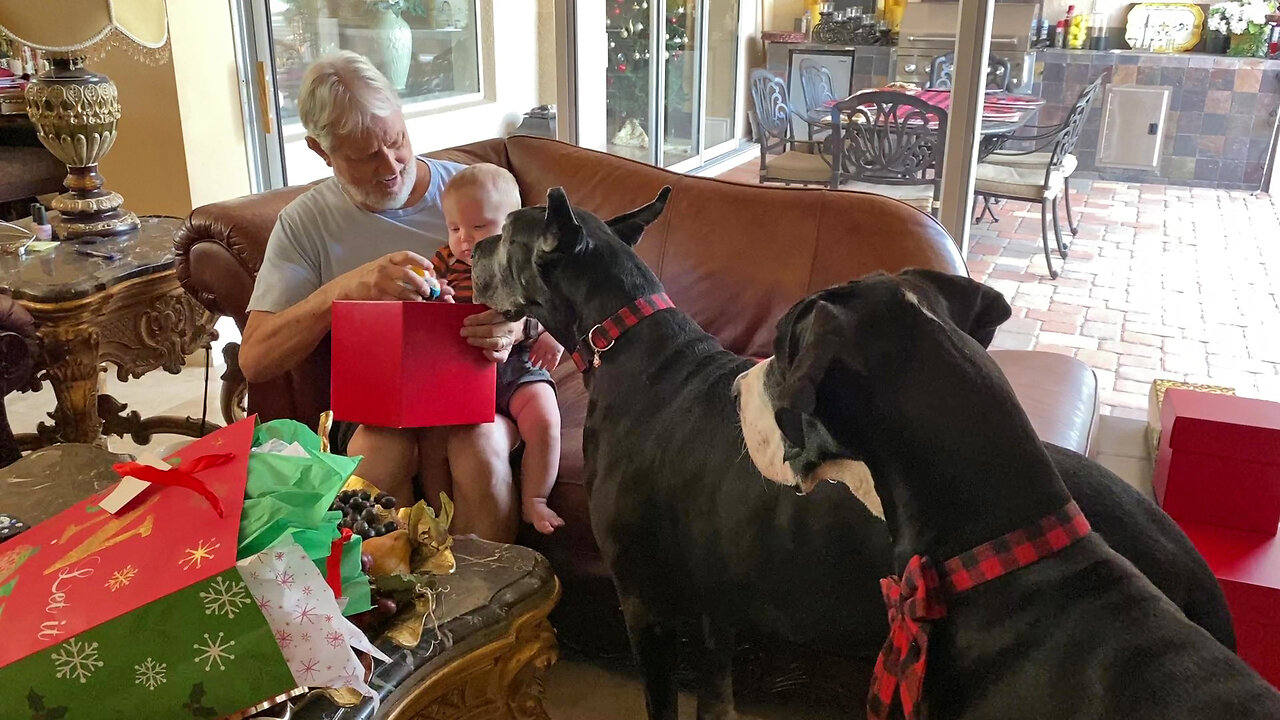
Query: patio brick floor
[1162,282]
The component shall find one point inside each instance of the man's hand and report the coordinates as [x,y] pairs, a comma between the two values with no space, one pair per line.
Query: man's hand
[545,352]
[492,333]
[390,277]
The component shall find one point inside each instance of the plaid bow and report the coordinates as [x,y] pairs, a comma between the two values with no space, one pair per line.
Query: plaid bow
[920,595]
[912,600]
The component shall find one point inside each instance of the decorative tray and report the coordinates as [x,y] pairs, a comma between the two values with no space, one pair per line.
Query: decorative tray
[1173,27]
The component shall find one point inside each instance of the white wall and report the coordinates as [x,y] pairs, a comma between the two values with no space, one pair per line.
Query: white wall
[511,49]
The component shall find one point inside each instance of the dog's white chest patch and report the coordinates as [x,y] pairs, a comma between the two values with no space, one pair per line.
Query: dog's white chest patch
[857,477]
[759,429]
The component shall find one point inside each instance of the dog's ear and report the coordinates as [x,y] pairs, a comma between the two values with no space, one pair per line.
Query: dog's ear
[975,308]
[630,226]
[798,392]
[562,232]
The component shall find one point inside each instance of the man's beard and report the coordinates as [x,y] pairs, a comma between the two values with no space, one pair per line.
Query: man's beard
[377,200]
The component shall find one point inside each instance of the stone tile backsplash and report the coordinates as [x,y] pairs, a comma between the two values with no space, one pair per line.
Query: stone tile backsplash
[1222,112]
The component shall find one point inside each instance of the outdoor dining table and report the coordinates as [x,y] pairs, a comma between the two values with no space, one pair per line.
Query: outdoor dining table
[1003,114]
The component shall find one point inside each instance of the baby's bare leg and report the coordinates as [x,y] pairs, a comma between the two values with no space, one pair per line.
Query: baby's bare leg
[533,407]
[390,458]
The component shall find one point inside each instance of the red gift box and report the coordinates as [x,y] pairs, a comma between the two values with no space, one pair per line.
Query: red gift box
[404,365]
[1247,566]
[1219,461]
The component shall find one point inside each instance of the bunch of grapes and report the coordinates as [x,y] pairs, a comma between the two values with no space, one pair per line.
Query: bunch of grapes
[360,512]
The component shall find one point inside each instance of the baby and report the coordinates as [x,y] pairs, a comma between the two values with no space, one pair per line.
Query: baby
[476,203]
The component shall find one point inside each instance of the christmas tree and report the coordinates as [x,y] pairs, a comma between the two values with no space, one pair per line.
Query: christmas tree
[627,78]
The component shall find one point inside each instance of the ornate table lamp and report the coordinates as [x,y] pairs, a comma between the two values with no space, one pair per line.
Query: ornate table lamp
[74,109]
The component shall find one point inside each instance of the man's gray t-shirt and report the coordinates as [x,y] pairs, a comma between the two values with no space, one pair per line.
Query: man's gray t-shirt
[323,234]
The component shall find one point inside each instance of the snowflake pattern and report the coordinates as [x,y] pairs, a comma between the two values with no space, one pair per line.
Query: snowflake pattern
[121,577]
[335,639]
[285,578]
[305,637]
[198,554]
[279,557]
[308,669]
[264,604]
[150,674]
[214,651]
[304,613]
[76,660]
[284,639]
[306,590]
[224,598]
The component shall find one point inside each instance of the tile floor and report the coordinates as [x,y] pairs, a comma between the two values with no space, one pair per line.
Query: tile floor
[1162,282]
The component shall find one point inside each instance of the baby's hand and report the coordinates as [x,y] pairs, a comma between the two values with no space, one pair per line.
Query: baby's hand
[545,352]
[440,289]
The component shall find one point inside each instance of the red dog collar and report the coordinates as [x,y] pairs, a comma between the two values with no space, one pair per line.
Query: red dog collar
[919,596]
[601,337]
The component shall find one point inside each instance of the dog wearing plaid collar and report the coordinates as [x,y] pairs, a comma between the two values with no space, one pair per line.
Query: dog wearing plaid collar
[1005,601]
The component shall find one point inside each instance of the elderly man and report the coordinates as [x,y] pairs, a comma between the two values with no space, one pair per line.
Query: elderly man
[356,236]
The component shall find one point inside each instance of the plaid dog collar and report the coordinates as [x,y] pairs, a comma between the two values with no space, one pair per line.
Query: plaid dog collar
[601,337]
[919,596]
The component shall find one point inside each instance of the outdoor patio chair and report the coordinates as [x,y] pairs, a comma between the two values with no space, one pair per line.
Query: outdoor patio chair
[1039,175]
[816,87]
[889,143]
[771,121]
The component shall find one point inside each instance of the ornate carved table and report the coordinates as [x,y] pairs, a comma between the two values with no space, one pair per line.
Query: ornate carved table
[114,301]
[482,652]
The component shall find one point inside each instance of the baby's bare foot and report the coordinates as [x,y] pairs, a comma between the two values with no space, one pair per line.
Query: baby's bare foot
[542,518]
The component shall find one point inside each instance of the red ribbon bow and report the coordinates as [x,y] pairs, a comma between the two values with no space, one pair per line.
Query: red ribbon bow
[181,476]
[912,600]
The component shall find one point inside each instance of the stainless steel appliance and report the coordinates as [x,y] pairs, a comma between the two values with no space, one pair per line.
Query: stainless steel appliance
[929,30]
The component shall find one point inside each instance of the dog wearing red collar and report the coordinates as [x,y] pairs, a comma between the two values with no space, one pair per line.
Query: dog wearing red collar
[1004,601]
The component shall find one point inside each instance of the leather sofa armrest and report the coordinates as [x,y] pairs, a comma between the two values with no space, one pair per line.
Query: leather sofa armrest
[219,249]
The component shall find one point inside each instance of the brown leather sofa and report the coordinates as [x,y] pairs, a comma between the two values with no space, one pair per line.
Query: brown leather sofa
[733,256]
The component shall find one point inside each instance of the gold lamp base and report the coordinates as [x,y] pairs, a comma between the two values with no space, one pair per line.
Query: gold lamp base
[75,113]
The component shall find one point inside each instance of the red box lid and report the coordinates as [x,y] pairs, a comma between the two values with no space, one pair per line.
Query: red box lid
[1237,555]
[1223,425]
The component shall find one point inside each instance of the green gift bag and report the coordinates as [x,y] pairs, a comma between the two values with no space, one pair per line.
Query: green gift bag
[290,494]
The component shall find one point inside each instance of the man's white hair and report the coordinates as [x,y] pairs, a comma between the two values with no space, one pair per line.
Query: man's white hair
[341,94]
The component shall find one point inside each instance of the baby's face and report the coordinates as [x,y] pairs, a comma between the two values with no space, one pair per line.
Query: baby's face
[473,215]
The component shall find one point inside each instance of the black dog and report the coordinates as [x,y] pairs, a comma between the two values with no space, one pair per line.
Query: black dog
[687,525]
[864,373]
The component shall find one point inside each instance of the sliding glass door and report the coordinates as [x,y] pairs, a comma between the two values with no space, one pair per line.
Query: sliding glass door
[670,81]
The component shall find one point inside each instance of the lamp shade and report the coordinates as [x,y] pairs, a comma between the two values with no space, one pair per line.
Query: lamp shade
[68,26]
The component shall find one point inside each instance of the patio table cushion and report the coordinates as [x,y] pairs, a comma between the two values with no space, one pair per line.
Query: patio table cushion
[1039,159]
[917,196]
[798,166]
[1025,182]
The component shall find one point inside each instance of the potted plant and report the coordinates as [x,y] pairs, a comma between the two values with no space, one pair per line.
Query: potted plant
[1246,22]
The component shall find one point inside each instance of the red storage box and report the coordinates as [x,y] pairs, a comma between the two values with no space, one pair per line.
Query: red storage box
[1219,461]
[1247,566]
[405,365]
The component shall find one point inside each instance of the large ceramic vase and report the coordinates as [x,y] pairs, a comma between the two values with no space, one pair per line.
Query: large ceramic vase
[386,39]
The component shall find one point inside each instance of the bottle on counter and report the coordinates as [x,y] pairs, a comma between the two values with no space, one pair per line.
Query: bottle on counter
[1060,34]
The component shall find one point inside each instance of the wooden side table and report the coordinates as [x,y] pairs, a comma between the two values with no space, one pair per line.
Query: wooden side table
[124,307]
